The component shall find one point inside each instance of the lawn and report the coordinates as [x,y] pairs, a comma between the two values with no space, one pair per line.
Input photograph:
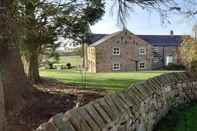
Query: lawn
[110,81]
[74,60]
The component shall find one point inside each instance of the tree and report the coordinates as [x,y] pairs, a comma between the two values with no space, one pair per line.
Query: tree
[188,53]
[77,20]
[43,21]
[186,8]
[14,84]
[39,33]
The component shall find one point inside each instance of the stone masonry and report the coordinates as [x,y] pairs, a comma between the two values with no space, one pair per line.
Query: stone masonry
[137,109]
[101,59]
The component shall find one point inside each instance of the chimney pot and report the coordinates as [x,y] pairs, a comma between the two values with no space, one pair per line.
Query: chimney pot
[171,32]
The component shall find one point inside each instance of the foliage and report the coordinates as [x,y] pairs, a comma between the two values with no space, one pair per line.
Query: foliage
[77,16]
[43,21]
[194,65]
[69,65]
[173,66]
[181,118]
[188,51]
[37,22]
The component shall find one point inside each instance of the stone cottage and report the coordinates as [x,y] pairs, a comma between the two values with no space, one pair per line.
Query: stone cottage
[120,51]
[165,48]
[125,51]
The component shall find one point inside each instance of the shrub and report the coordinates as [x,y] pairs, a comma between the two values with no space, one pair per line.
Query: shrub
[68,65]
[173,66]
[194,66]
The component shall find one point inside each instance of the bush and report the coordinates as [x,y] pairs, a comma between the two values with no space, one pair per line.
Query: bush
[194,66]
[69,65]
[172,66]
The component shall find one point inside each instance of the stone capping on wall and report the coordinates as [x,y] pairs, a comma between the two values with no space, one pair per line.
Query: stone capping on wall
[137,109]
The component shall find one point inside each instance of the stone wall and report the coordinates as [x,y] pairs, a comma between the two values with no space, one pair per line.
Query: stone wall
[129,58]
[137,109]
[162,53]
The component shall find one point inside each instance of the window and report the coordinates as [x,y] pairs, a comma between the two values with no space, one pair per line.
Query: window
[156,49]
[116,67]
[116,51]
[142,51]
[141,65]
[156,60]
[169,59]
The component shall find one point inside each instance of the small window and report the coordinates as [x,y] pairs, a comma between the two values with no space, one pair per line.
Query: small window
[156,60]
[142,51]
[116,67]
[116,51]
[156,49]
[141,65]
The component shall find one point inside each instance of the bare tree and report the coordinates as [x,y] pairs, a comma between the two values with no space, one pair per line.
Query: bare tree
[186,8]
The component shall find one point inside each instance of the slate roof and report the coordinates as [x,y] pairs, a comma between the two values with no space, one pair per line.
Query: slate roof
[155,40]
[104,38]
[92,38]
[163,40]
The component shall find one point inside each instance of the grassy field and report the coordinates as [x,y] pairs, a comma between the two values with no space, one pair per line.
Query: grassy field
[183,118]
[74,60]
[111,81]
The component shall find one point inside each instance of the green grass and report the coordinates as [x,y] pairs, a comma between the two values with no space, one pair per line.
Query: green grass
[182,118]
[111,81]
[74,60]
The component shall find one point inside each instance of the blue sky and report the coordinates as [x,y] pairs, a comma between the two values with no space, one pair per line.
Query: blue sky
[143,22]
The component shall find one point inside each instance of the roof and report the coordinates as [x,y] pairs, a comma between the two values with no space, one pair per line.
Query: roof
[155,40]
[92,38]
[102,38]
[163,40]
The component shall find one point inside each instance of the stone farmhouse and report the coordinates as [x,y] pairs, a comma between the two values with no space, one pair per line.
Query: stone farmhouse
[125,51]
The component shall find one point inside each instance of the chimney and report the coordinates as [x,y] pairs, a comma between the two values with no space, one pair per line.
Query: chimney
[171,32]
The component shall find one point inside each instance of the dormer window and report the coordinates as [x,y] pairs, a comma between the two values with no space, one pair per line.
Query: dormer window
[116,51]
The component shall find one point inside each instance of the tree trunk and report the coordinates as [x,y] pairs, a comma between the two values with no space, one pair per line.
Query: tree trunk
[2,108]
[16,88]
[31,67]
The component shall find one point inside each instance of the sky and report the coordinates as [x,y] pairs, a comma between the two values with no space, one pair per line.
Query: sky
[144,22]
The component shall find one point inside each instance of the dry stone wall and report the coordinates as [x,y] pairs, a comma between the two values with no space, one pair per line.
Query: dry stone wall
[137,109]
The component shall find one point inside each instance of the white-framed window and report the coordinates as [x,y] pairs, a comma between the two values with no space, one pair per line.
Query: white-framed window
[142,51]
[116,51]
[169,60]
[155,60]
[156,49]
[116,67]
[141,65]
